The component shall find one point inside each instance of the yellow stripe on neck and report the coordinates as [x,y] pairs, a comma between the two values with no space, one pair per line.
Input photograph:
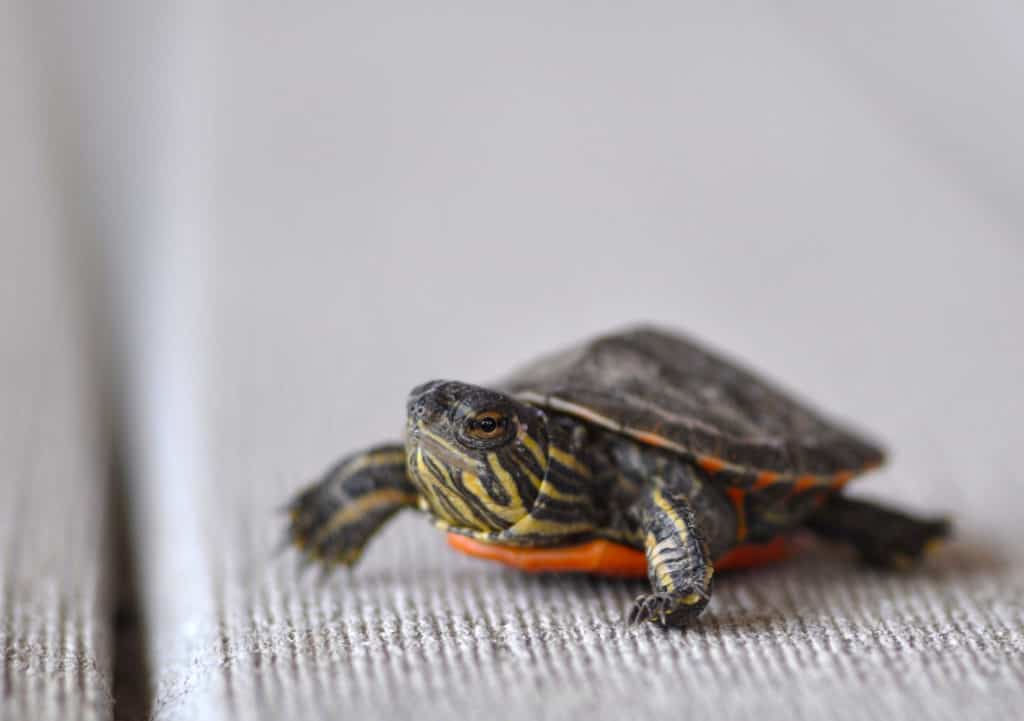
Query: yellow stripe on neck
[569,461]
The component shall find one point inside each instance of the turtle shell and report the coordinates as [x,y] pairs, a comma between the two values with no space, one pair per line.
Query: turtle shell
[664,390]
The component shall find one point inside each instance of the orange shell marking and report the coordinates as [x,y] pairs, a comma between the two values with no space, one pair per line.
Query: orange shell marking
[804,483]
[711,464]
[605,558]
[841,479]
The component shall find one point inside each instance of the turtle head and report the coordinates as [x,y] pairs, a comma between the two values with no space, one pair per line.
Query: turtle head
[477,456]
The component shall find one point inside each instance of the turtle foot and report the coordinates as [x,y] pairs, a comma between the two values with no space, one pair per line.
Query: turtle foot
[668,609]
[903,545]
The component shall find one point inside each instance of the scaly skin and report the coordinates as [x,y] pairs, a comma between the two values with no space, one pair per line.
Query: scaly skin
[882,536]
[333,519]
[486,466]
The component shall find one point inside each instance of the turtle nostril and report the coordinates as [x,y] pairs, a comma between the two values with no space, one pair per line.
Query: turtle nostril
[417,410]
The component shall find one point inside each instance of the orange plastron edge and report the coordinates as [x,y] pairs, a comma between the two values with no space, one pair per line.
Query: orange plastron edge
[606,558]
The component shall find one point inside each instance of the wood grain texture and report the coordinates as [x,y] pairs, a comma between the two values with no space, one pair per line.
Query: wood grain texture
[401,197]
[447,231]
[55,612]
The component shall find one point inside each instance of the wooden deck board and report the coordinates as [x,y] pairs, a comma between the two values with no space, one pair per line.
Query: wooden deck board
[55,608]
[395,200]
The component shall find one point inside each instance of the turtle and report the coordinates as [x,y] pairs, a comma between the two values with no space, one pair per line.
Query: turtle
[637,453]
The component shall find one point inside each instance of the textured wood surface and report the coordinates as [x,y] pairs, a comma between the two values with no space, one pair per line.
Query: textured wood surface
[450,227]
[55,610]
[321,208]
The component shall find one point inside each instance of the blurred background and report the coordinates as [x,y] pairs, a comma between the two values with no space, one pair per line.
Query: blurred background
[269,221]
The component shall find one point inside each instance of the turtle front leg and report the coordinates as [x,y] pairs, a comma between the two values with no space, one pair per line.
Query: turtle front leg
[884,537]
[678,560]
[332,520]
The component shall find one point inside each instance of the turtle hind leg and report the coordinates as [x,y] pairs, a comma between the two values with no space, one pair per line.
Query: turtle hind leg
[332,520]
[678,560]
[883,536]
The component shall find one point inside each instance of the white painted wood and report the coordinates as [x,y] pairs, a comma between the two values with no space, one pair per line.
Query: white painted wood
[395,197]
[312,209]
[55,606]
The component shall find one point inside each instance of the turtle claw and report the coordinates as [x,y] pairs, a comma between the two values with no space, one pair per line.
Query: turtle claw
[668,609]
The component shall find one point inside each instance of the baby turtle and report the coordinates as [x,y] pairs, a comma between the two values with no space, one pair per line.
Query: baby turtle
[635,453]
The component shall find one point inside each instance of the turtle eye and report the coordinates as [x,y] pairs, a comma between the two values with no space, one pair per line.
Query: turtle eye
[486,425]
